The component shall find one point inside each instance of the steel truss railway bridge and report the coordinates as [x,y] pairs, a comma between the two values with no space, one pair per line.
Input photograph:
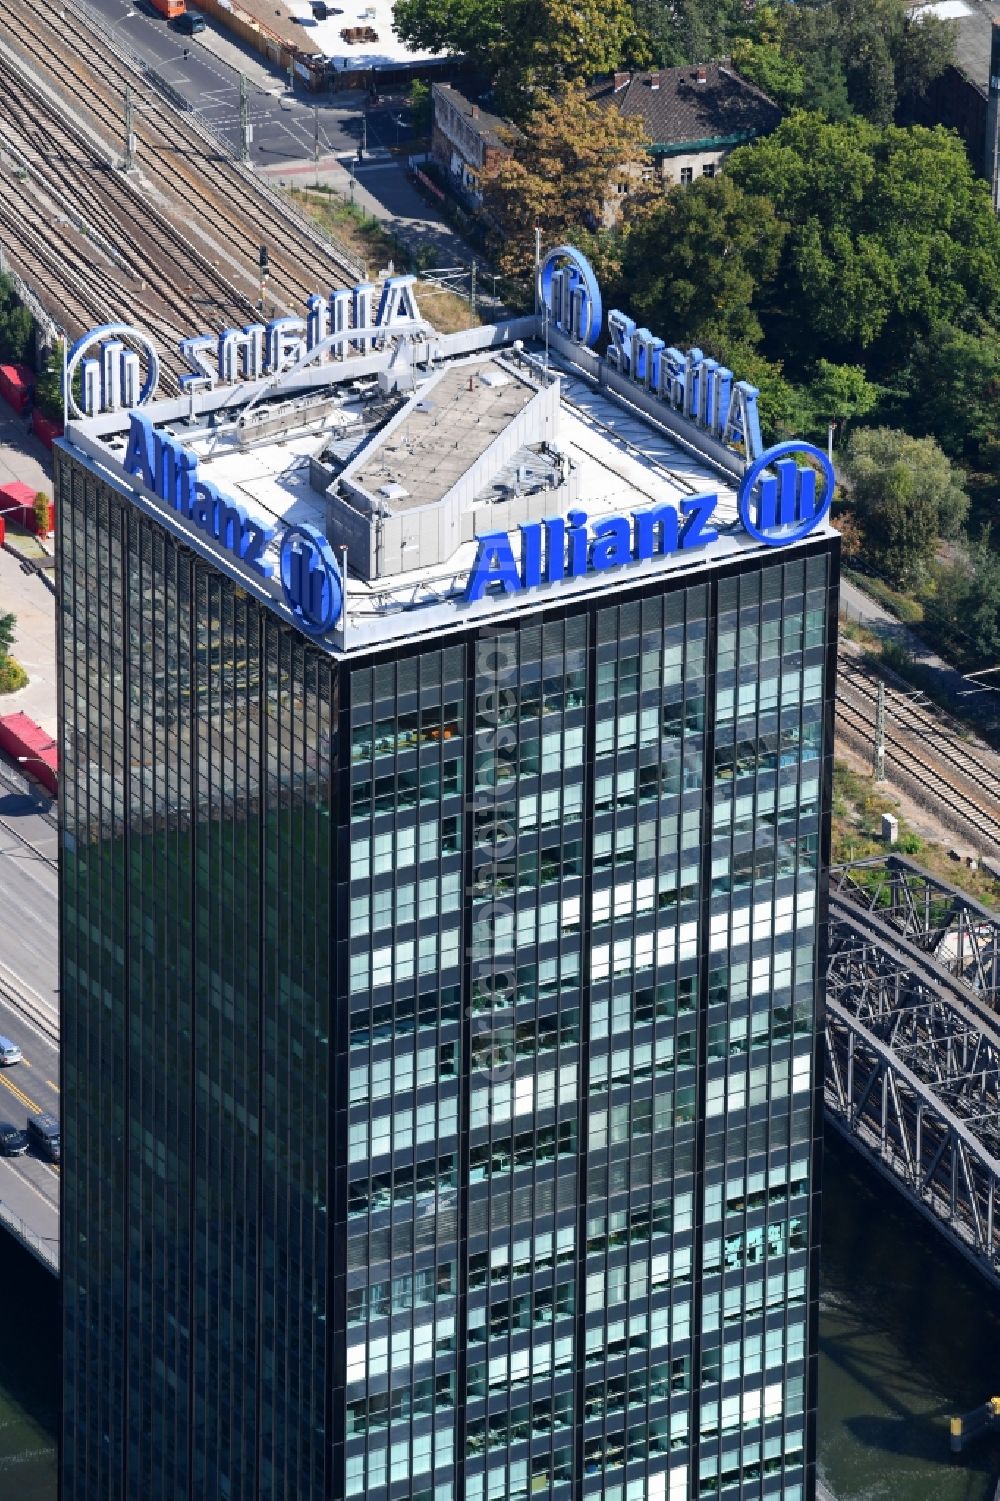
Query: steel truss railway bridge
[913,1043]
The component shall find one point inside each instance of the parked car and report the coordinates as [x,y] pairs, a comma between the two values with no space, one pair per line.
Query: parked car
[13,1143]
[9,1052]
[189,24]
[44,1136]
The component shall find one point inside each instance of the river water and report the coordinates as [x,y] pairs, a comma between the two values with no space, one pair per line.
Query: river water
[29,1374]
[908,1334]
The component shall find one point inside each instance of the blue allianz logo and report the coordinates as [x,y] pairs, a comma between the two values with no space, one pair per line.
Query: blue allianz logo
[780,500]
[337,326]
[697,389]
[310,579]
[568,292]
[170,472]
[111,371]
[555,549]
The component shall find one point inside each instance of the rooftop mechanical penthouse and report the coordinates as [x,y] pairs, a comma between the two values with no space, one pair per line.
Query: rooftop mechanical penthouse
[446,756]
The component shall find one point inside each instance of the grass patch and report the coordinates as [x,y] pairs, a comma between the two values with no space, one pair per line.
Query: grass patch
[12,676]
[850,630]
[905,608]
[26,541]
[375,247]
[858,805]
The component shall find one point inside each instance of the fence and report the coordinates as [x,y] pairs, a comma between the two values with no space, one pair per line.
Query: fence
[44,1248]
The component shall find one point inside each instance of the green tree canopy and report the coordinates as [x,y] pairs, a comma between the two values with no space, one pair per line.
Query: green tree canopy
[952,387]
[693,262]
[17,329]
[48,388]
[840,392]
[8,630]
[965,610]
[873,52]
[689,31]
[524,45]
[781,77]
[906,496]
[785,409]
[559,175]
[891,233]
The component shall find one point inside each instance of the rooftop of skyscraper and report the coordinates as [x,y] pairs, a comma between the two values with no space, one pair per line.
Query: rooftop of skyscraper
[407,453]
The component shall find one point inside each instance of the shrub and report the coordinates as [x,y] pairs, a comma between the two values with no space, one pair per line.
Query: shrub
[41,508]
[12,676]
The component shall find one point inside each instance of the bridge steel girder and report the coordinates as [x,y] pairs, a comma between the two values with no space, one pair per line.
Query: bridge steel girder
[937,918]
[913,1056]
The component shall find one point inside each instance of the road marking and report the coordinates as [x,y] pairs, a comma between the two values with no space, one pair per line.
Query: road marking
[49,1203]
[18,1094]
[52,1086]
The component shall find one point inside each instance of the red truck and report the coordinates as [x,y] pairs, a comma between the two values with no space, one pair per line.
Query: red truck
[171,9]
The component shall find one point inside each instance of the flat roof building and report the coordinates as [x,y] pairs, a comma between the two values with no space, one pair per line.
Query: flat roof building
[441,932]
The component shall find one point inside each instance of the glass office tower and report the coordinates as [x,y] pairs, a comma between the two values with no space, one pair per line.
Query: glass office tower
[441,1034]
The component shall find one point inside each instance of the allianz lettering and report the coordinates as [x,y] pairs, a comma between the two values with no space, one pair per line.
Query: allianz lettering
[693,386]
[779,501]
[698,389]
[114,375]
[170,471]
[345,322]
[556,549]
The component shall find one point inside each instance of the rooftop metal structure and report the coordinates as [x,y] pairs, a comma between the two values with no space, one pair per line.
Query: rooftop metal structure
[913,1043]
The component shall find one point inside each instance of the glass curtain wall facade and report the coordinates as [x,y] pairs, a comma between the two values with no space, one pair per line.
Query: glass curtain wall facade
[441,1076]
[195,780]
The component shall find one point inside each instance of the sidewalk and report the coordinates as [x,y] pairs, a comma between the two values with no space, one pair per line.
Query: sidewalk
[34,643]
[22,456]
[383,190]
[862,609]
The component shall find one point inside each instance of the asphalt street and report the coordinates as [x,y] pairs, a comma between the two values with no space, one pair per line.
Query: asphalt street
[29,1186]
[205,70]
[29,845]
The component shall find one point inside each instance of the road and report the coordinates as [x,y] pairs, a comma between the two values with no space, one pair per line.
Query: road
[29,845]
[29,1002]
[291,130]
[29,1186]
[206,70]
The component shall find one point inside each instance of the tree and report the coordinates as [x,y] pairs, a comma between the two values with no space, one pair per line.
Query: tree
[692,263]
[41,510]
[563,42]
[17,334]
[840,392]
[48,388]
[828,84]
[925,45]
[524,45]
[781,77]
[906,496]
[421,107]
[474,28]
[871,75]
[965,609]
[559,174]
[891,233]
[874,53]
[952,383]
[785,408]
[8,630]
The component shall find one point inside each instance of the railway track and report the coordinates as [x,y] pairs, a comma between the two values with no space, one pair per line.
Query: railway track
[173,246]
[954,777]
[57,157]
